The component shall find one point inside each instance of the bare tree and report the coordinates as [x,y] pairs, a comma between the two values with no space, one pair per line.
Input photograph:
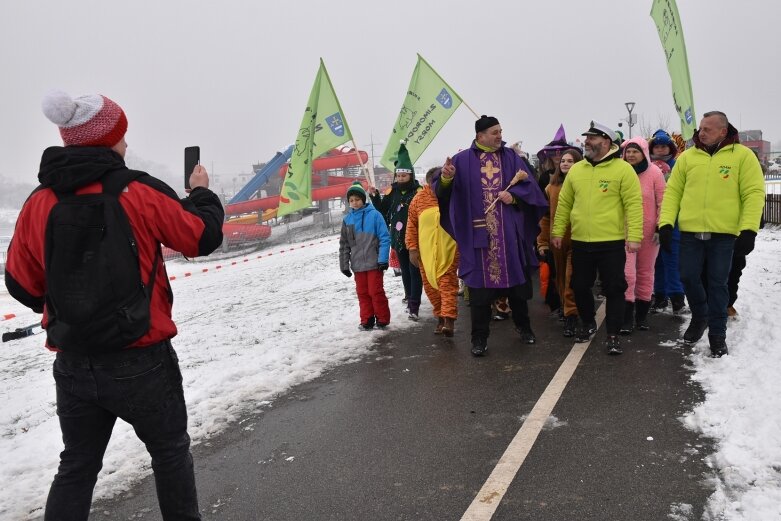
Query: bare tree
[647,128]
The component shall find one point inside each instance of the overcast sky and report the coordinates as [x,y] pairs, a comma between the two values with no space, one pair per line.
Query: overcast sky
[234,76]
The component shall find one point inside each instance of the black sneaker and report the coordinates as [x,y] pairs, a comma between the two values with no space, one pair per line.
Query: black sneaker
[527,335]
[696,329]
[368,325]
[659,303]
[585,331]
[613,345]
[628,324]
[479,347]
[718,346]
[678,302]
[570,325]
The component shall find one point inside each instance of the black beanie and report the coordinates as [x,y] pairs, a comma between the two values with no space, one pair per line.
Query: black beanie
[485,122]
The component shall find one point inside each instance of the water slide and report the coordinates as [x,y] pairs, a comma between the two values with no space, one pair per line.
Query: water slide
[335,189]
[263,175]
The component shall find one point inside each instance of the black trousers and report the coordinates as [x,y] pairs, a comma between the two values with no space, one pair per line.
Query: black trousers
[607,258]
[480,300]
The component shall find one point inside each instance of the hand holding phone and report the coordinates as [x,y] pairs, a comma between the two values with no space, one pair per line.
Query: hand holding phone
[192,158]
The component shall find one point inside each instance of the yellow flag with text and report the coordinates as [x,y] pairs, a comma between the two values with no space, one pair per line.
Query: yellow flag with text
[323,127]
[668,24]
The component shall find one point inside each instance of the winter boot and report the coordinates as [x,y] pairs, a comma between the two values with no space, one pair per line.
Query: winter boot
[629,318]
[613,345]
[641,314]
[585,331]
[678,303]
[440,325]
[659,303]
[696,329]
[718,346]
[449,327]
[732,313]
[570,325]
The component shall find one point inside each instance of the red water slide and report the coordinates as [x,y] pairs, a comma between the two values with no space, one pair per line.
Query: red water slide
[336,184]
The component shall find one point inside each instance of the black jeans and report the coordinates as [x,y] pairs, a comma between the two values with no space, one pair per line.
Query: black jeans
[143,387]
[480,300]
[609,259]
[413,282]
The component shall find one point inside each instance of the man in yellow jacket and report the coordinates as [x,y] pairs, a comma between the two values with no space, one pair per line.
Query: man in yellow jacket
[602,201]
[717,192]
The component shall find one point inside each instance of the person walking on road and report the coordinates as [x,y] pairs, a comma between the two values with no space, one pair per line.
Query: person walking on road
[668,289]
[58,266]
[435,253]
[394,207]
[493,206]
[602,201]
[364,243]
[562,257]
[716,193]
[639,269]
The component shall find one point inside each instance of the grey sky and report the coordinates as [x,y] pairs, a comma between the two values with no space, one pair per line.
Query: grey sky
[234,76]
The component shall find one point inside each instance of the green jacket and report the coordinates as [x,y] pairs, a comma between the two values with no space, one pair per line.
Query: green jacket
[719,193]
[600,200]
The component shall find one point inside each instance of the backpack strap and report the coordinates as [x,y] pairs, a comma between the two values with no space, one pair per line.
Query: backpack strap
[114,183]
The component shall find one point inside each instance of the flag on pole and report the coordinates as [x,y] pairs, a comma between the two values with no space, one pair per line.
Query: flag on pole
[668,24]
[429,103]
[323,127]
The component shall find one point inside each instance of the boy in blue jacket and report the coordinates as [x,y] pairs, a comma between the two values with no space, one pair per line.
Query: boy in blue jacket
[364,246]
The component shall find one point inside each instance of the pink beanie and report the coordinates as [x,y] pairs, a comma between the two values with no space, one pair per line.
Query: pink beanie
[90,120]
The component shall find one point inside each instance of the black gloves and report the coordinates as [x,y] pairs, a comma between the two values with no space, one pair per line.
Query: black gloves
[382,266]
[744,244]
[666,237]
[347,273]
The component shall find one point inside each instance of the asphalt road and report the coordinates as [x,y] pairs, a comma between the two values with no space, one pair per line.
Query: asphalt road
[412,431]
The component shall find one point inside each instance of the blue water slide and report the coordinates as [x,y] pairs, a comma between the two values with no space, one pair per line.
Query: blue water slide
[262,176]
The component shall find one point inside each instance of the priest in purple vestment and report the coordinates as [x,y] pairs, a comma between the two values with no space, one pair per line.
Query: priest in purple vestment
[491,204]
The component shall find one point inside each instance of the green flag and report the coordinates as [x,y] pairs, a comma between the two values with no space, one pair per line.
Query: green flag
[323,127]
[429,103]
[668,24]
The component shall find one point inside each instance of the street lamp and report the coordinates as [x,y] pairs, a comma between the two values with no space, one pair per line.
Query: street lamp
[630,106]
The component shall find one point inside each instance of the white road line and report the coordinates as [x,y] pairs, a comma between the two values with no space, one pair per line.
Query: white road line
[487,500]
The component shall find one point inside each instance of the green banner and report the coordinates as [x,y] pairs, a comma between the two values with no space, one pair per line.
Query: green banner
[668,24]
[429,103]
[323,127]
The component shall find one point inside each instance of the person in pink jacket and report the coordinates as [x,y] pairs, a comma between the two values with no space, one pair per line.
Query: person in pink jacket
[639,268]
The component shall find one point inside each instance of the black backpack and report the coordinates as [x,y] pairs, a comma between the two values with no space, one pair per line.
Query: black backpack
[95,299]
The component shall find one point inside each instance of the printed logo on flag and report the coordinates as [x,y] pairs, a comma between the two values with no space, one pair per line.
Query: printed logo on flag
[445,99]
[335,124]
[689,116]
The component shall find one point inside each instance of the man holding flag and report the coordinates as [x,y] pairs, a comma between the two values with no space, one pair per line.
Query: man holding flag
[492,205]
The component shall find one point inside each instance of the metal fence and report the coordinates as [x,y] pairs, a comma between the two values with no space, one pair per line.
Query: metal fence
[773,208]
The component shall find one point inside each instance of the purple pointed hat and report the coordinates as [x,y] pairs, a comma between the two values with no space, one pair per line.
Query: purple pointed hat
[559,143]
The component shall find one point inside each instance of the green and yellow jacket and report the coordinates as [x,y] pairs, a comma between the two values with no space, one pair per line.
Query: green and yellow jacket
[601,200]
[719,192]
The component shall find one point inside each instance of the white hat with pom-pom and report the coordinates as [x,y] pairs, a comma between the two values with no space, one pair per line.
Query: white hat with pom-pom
[90,120]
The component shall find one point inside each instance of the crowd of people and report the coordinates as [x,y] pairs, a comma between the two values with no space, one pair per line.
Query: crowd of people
[652,222]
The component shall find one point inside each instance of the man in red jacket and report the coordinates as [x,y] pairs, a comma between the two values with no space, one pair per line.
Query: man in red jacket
[140,383]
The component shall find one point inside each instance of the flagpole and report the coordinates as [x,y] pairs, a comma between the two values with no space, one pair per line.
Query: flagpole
[451,88]
[369,175]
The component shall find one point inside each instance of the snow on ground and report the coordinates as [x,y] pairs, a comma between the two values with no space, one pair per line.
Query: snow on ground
[250,331]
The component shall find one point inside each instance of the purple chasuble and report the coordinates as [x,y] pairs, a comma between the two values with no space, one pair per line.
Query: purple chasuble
[495,250]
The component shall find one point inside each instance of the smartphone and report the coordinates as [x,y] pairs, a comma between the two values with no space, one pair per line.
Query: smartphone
[192,157]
